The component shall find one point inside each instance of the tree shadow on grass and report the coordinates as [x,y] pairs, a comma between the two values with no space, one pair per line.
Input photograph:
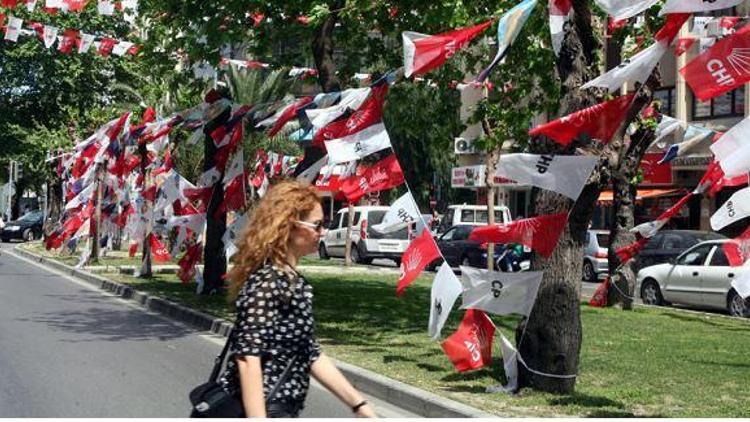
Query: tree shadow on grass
[430,368]
[713,322]
[585,400]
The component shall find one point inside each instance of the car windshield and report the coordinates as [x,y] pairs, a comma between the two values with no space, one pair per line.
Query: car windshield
[32,216]
[602,239]
[376,217]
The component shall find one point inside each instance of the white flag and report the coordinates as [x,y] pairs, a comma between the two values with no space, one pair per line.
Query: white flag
[82,197]
[194,222]
[445,291]
[350,99]
[354,147]
[121,48]
[685,6]
[732,150]
[54,4]
[401,213]
[49,33]
[564,174]
[510,365]
[86,41]
[232,233]
[734,209]
[500,293]
[209,178]
[311,173]
[635,69]
[666,127]
[236,168]
[30,5]
[106,7]
[624,9]
[13,28]
[742,284]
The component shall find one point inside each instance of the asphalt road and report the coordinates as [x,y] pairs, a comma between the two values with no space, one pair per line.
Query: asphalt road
[69,350]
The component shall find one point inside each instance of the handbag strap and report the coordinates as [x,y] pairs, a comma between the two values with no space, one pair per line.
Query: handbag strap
[282,379]
[219,361]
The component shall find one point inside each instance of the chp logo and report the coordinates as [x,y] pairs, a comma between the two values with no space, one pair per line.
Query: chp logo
[411,263]
[738,59]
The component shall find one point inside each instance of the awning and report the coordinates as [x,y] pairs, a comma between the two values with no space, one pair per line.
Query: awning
[605,197]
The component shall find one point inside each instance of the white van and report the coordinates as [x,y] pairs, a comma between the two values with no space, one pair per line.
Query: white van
[473,215]
[367,244]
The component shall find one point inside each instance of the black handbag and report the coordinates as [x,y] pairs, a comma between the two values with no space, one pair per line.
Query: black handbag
[210,400]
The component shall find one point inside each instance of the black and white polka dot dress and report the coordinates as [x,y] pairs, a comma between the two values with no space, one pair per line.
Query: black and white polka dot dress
[274,322]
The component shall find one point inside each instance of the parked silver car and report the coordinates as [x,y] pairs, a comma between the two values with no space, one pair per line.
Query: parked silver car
[595,264]
[700,277]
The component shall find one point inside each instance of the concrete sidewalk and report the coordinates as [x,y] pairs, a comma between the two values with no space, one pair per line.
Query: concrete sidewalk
[402,395]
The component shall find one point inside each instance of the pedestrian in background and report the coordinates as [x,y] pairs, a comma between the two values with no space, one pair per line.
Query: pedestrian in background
[273,341]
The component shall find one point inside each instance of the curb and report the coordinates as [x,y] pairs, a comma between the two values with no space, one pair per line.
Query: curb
[395,392]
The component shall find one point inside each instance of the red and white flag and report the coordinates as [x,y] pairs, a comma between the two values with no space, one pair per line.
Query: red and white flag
[599,122]
[732,150]
[733,210]
[158,250]
[351,99]
[235,191]
[685,6]
[358,145]
[105,46]
[385,174]
[284,115]
[624,9]
[738,251]
[470,347]
[423,53]
[560,13]
[650,228]
[13,28]
[711,177]
[626,253]
[539,233]
[187,262]
[683,45]
[725,182]
[205,186]
[421,251]
[369,114]
[722,68]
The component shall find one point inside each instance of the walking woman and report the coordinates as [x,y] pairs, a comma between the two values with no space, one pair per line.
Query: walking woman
[273,346]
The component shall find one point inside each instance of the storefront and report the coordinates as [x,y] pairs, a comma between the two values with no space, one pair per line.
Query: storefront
[507,192]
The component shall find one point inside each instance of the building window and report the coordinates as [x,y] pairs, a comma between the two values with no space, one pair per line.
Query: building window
[731,104]
[666,96]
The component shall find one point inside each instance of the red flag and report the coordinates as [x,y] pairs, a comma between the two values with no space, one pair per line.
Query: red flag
[150,193]
[421,251]
[370,113]
[713,175]
[76,5]
[626,253]
[68,41]
[187,262]
[10,4]
[599,122]
[288,114]
[683,45]
[133,249]
[722,68]
[234,196]
[423,53]
[613,25]
[671,27]
[158,250]
[599,299]
[385,174]
[105,46]
[738,251]
[539,233]
[470,347]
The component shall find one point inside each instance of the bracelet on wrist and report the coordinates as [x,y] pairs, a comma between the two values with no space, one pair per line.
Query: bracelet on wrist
[356,407]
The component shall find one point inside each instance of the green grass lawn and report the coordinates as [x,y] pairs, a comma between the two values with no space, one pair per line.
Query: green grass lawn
[649,362]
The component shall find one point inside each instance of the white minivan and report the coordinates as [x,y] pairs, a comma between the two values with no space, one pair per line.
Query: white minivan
[367,244]
[473,215]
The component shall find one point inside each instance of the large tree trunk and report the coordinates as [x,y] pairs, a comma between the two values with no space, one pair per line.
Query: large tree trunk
[322,47]
[145,271]
[214,255]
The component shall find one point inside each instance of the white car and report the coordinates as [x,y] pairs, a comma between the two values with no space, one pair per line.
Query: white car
[700,277]
[367,244]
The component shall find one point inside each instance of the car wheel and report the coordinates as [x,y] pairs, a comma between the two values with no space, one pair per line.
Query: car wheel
[28,235]
[6,240]
[322,252]
[397,261]
[737,306]
[356,257]
[588,271]
[651,293]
